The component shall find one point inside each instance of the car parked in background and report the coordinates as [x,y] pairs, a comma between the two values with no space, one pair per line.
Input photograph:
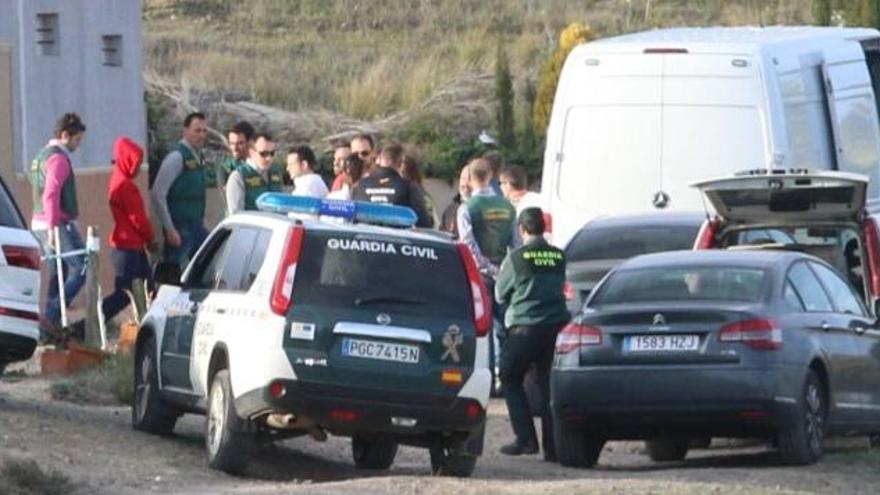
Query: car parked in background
[604,243]
[817,212]
[671,346]
[19,284]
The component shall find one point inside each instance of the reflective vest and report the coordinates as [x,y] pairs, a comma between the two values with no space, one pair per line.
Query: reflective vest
[254,185]
[69,203]
[492,220]
[186,197]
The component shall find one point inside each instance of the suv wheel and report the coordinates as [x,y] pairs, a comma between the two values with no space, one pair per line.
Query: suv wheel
[452,462]
[800,441]
[227,444]
[373,452]
[574,446]
[149,412]
[667,449]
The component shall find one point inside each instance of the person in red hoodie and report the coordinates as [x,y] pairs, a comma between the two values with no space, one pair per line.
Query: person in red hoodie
[132,234]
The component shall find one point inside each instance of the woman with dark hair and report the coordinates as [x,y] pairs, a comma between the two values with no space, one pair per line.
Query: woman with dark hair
[352,170]
[411,171]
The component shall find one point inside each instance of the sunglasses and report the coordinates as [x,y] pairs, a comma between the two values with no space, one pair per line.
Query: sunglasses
[267,154]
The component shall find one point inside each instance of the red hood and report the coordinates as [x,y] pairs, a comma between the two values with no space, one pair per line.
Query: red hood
[128,155]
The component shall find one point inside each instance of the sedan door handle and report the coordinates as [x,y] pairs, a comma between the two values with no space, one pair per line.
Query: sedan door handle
[221,311]
[825,326]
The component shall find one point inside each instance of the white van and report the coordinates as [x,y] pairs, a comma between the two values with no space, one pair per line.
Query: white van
[637,118]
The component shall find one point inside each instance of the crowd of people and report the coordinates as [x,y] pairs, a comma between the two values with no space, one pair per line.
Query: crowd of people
[493,213]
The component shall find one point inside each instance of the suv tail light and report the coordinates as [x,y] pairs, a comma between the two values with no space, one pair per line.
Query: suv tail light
[548,223]
[872,246]
[22,257]
[479,293]
[568,291]
[706,235]
[282,291]
[577,335]
[759,334]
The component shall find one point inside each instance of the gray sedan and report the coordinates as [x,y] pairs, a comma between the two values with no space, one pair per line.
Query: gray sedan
[688,344]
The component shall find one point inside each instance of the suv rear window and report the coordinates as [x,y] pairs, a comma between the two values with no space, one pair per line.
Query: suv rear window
[342,269]
[622,242]
[9,214]
[682,284]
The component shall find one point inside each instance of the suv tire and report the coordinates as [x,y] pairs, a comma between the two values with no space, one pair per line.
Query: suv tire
[452,462]
[574,446]
[667,449]
[149,412]
[800,441]
[373,452]
[227,443]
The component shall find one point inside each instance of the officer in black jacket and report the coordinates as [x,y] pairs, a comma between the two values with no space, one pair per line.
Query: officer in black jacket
[385,185]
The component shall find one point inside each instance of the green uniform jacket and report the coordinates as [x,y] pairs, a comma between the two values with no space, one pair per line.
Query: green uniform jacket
[492,220]
[254,185]
[220,172]
[69,203]
[186,197]
[530,283]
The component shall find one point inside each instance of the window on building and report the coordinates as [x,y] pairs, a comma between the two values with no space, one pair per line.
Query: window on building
[47,34]
[112,47]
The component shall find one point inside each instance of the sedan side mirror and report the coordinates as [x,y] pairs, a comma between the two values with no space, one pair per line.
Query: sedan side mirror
[167,274]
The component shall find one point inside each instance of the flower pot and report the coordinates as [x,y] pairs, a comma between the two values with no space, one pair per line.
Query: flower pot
[82,357]
[128,333]
[54,362]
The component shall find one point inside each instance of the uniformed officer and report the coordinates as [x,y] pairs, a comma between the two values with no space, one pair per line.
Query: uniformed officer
[258,175]
[530,283]
[240,139]
[178,192]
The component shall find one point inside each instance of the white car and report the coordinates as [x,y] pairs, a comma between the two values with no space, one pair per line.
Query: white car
[282,327]
[19,284]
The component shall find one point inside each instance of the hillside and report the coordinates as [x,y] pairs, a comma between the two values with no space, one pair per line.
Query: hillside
[385,60]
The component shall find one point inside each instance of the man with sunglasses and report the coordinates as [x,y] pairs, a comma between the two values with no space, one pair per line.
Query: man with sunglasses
[362,146]
[258,175]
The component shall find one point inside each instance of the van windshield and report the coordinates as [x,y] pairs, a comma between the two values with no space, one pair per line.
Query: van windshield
[350,270]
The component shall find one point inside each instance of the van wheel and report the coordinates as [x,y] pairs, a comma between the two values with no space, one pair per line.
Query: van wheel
[227,443]
[574,446]
[452,462]
[667,449]
[800,441]
[373,452]
[149,412]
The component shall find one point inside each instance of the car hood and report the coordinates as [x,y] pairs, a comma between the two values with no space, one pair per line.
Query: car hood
[786,197]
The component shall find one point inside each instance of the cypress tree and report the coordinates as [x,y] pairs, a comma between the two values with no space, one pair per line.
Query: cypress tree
[504,96]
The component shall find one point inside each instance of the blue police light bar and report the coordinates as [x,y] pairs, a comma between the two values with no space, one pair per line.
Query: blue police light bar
[353,211]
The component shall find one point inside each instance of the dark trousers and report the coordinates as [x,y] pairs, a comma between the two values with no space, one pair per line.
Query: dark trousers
[523,346]
[129,265]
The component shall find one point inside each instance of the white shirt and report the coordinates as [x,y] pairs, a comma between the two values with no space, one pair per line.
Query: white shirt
[530,199]
[342,193]
[311,185]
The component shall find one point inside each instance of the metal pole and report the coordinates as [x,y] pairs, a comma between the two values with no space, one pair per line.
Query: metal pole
[93,337]
[59,271]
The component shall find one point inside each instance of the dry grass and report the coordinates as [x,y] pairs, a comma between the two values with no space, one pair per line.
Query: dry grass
[26,477]
[111,383]
[372,59]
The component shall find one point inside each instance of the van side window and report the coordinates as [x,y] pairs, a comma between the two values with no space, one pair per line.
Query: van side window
[841,293]
[812,294]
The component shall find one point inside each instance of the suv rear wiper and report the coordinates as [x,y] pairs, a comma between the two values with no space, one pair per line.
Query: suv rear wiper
[361,301]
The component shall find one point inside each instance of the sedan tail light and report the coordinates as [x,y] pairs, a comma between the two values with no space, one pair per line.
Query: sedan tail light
[577,335]
[22,257]
[479,294]
[760,334]
[282,291]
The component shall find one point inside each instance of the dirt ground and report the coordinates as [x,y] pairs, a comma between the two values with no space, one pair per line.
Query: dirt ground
[97,449]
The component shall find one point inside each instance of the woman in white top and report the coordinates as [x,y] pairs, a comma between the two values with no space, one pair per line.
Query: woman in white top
[352,169]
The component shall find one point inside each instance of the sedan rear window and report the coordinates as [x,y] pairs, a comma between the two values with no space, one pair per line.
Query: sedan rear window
[352,270]
[682,284]
[622,242]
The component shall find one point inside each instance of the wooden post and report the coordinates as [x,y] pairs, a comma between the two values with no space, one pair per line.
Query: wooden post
[93,337]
